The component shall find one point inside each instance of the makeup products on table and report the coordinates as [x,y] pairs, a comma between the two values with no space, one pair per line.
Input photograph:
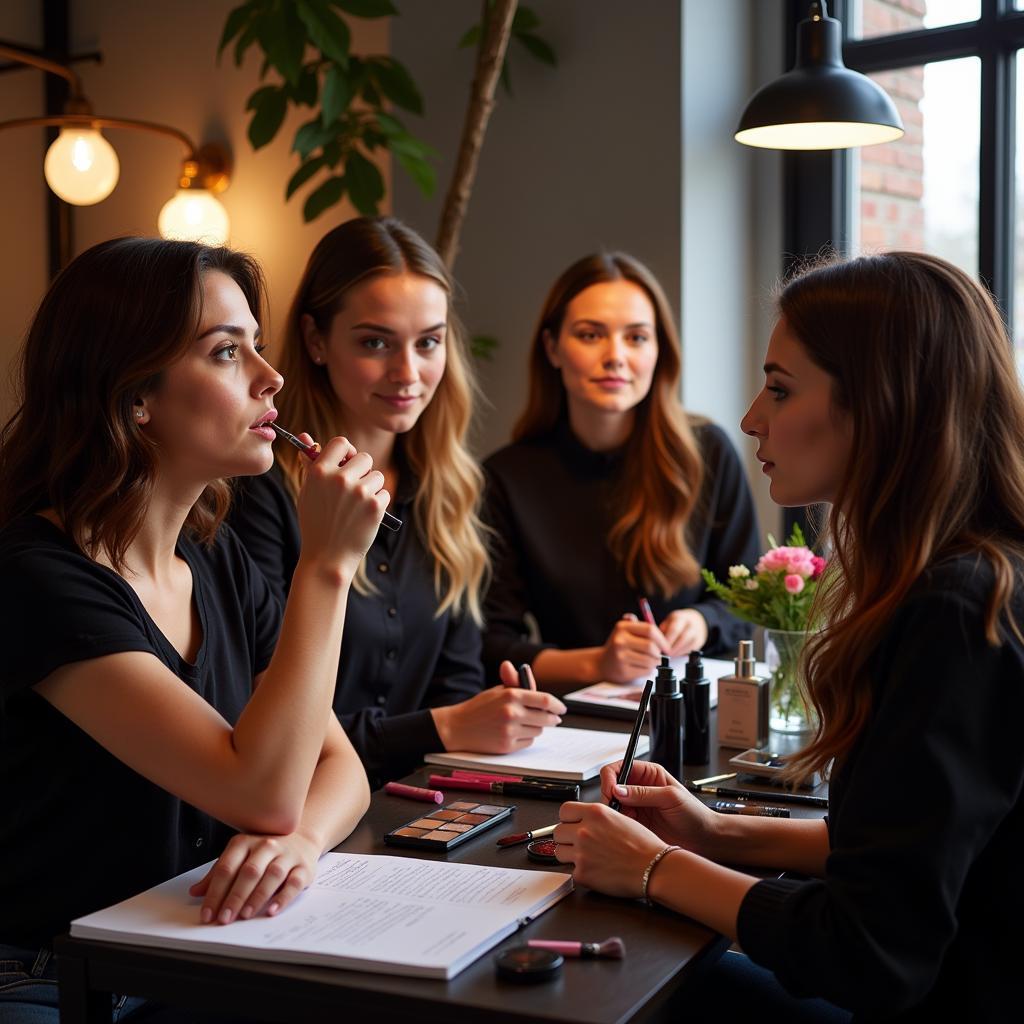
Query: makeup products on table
[611,949]
[758,810]
[781,797]
[527,965]
[312,452]
[766,764]
[634,736]
[525,837]
[448,826]
[538,790]
[542,851]
[743,703]
[526,680]
[667,721]
[696,783]
[429,796]
[697,703]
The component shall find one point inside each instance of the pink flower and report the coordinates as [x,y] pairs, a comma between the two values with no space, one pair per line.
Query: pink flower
[788,560]
[819,566]
[794,583]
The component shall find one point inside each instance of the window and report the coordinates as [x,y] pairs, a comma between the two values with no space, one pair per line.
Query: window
[870,18]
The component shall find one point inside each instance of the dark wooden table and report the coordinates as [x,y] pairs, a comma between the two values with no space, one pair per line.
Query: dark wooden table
[663,950]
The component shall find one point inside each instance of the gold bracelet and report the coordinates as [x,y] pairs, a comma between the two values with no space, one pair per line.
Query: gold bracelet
[650,867]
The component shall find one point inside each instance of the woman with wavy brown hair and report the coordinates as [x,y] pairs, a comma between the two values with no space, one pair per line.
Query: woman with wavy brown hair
[610,491]
[890,392]
[373,347]
[155,709]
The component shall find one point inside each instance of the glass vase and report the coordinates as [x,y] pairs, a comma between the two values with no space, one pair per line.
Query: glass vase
[788,712]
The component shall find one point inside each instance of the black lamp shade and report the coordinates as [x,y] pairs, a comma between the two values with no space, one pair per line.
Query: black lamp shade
[820,104]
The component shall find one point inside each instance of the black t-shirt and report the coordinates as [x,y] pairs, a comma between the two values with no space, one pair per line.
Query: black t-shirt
[916,916]
[399,658]
[550,504]
[79,830]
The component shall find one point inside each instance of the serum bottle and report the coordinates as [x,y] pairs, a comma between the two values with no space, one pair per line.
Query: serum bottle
[667,721]
[697,700]
[743,703]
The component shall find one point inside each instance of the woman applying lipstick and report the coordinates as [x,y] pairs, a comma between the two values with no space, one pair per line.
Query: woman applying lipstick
[890,392]
[372,347]
[608,491]
[155,709]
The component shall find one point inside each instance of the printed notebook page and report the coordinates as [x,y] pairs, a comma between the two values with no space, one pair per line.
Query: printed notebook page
[558,753]
[390,915]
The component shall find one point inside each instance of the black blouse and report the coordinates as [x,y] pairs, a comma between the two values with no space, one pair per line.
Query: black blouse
[398,657]
[549,502]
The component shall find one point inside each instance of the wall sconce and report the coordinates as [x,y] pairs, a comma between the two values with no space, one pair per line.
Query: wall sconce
[821,103]
[82,167]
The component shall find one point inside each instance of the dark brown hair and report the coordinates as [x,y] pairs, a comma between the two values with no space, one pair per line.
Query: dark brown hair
[663,469]
[112,321]
[922,365]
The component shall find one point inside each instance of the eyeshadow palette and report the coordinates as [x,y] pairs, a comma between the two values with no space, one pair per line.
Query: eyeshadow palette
[448,826]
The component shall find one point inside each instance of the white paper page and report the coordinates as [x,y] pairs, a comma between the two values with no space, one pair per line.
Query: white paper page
[558,753]
[386,914]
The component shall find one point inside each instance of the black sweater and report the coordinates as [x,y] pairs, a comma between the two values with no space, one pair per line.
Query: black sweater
[915,917]
[398,657]
[549,504]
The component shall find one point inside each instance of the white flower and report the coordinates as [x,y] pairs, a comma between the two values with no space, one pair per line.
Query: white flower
[738,572]
[752,584]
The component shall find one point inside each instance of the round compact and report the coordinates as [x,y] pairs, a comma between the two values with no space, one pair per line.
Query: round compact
[542,850]
[526,964]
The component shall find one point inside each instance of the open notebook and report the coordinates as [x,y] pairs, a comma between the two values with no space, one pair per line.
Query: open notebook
[558,753]
[621,700]
[389,915]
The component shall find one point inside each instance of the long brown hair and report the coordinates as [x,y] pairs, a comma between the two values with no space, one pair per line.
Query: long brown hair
[110,324]
[447,501]
[922,365]
[663,469]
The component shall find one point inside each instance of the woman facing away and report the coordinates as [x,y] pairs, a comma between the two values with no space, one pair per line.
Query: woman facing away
[890,392]
[156,711]
[373,348]
[610,492]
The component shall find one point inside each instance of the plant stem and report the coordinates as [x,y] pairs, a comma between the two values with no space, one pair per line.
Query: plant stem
[497,28]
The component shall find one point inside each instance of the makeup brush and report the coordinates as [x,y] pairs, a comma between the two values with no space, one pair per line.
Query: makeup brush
[611,949]
[525,837]
[312,452]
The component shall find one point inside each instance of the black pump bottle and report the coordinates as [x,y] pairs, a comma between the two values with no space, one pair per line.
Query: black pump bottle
[697,746]
[667,721]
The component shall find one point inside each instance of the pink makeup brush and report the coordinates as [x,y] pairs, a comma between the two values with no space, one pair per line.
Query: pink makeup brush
[613,948]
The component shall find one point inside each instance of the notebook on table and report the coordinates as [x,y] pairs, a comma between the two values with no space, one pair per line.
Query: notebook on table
[572,755]
[388,915]
[621,700]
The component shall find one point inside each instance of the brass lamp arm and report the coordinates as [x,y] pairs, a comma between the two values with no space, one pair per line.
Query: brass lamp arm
[92,121]
[23,57]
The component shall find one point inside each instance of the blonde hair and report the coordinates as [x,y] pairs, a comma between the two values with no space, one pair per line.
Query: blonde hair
[663,469]
[446,508]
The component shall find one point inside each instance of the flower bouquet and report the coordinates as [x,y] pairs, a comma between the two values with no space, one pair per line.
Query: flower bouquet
[778,596]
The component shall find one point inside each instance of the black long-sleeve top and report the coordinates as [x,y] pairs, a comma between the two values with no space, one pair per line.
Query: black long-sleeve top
[916,916]
[398,657]
[549,503]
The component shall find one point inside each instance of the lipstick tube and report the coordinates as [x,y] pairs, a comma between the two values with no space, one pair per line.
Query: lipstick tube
[428,796]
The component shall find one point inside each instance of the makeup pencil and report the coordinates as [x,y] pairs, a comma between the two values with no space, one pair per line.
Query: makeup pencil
[634,738]
[312,452]
[783,796]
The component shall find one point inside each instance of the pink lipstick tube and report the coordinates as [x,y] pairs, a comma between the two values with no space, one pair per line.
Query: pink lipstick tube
[428,796]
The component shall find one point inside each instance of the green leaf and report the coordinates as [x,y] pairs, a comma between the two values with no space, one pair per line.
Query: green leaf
[245,40]
[471,38]
[370,94]
[336,96]
[365,184]
[482,346]
[333,152]
[270,105]
[303,174]
[506,78]
[366,8]
[311,136]
[525,19]
[420,171]
[389,125]
[328,33]
[396,83]
[235,23]
[329,193]
[538,48]
[305,92]
[410,146]
[283,39]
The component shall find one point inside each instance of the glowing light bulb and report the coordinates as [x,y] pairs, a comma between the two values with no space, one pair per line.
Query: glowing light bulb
[194,215]
[81,166]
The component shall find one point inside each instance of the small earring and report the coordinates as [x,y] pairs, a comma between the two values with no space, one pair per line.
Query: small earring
[139,414]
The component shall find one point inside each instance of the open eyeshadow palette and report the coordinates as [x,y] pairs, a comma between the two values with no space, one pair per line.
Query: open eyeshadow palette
[448,826]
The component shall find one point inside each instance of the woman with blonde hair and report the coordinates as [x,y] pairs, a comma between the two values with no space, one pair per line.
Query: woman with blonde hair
[891,392]
[372,343]
[610,492]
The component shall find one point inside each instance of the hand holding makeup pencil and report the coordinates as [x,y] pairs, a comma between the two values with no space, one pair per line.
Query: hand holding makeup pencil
[633,649]
[685,630]
[500,719]
[340,505]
